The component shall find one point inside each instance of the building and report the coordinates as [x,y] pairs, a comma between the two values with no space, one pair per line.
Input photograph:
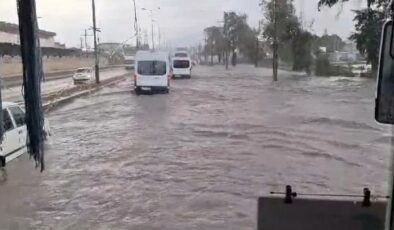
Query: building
[341,57]
[9,33]
[110,47]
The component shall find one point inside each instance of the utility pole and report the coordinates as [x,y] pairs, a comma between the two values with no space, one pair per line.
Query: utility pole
[159,38]
[85,36]
[151,17]
[96,66]
[153,35]
[225,29]
[136,29]
[275,47]
[212,44]
[86,41]
[32,75]
[256,58]
[81,43]
[205,50]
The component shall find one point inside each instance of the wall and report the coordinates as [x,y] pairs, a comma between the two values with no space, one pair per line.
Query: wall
[12,66]
[47,42]
[9,38]
[14,39]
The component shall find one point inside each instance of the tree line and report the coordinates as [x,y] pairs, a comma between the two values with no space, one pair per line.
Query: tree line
[368,27]
[281,34]
[234,36]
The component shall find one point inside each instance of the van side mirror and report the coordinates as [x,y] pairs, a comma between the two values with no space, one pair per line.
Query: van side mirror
[384,103]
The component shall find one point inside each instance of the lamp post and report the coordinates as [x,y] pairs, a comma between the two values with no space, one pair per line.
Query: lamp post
[151,16]
[136,29]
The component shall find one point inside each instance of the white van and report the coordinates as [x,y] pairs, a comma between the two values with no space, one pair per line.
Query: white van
[152,72]
[15,133]
[181,67]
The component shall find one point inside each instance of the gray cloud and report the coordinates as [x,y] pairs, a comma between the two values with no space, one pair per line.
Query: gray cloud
[181,21]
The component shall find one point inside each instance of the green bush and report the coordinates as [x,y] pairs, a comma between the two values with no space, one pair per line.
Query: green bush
[324,68]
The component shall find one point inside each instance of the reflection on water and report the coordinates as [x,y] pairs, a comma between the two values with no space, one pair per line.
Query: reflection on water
[199,157]
[3,175]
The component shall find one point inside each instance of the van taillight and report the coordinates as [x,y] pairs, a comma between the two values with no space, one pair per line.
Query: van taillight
[135,79]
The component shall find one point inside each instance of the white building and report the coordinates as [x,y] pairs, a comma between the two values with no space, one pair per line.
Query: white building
[9,33]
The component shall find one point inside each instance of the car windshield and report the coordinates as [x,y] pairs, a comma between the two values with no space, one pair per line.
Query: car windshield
[152,67]
[180,114]
[83,71]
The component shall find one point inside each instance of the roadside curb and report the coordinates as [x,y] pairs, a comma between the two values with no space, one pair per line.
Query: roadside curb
[51,105]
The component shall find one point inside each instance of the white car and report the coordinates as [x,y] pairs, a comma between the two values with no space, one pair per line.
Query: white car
[15,132]
[181,67]
[152,72]
[83,75]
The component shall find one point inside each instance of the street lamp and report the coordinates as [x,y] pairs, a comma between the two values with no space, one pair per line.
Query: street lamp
[159,33]
[151,16]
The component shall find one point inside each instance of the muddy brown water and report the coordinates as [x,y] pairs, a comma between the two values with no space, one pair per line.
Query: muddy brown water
[199,157]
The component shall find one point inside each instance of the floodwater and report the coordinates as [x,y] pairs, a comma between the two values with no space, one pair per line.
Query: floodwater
[199,157]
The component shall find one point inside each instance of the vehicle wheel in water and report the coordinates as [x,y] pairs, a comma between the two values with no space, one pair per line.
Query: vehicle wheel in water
[137,91]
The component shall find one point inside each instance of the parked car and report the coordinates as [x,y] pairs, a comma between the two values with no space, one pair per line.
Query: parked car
[83,75]
[15,132]
[152,72]
[181,67]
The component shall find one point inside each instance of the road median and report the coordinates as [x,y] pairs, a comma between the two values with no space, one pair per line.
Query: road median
[53,100]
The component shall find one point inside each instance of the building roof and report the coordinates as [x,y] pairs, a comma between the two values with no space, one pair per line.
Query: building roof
[14,29]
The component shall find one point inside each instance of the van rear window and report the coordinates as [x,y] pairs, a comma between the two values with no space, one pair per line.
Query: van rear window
[181,55]
[152,67]
[181,64]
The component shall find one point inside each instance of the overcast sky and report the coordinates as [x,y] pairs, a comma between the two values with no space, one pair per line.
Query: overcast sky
[181,22]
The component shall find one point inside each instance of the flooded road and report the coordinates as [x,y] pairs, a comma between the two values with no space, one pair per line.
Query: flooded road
[199,157]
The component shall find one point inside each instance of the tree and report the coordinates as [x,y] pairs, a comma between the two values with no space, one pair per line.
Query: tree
[331,3]
[331,42]
[250,45]
[369,22]
[367,36]
[215,41]
[235,34]
[302,50]
[281,26]
[234,27]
